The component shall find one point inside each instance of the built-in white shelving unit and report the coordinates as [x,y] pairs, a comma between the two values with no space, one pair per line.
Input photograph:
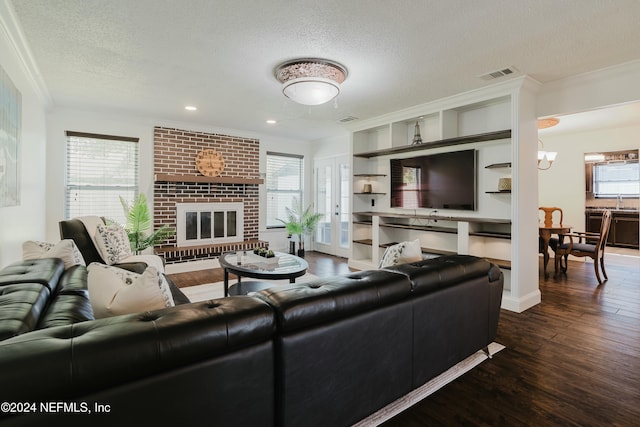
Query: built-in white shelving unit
[487,121]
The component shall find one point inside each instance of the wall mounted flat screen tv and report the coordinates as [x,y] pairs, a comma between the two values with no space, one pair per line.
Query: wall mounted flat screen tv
[437,181]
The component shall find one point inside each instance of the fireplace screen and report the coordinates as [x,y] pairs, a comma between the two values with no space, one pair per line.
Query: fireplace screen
[208,223]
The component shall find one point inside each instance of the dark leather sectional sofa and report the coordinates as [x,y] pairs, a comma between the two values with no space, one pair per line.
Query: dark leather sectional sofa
[327,353]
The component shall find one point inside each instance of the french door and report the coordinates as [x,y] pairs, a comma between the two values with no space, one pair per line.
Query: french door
[332,188]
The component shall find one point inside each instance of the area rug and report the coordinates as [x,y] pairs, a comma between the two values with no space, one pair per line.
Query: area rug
[209,291]
[410,399]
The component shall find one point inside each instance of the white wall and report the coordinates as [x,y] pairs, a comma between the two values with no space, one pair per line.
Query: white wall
[563,185]
[610,86]
[26,221]
[61,120]
[331,147]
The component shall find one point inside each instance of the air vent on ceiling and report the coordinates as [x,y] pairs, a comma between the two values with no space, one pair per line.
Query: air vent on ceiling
[499,73]
[347,119]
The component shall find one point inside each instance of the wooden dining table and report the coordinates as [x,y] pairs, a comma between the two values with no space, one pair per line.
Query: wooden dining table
[545,231]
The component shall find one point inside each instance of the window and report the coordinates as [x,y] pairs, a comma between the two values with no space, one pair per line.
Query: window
[412,187]
[100,169]
[285,174]
[616,179]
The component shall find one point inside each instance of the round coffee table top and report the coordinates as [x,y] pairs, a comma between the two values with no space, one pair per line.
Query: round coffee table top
[282,266]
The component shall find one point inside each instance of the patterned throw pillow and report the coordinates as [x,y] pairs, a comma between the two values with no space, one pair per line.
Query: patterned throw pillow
[114,291]
[65,249]
[401,253]
[113,243]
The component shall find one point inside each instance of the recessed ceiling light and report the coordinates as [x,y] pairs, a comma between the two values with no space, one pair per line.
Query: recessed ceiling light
[271,122]
[190,108]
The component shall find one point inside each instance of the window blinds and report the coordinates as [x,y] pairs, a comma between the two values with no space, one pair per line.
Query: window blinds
[284,183]
[616,178]
[100,169]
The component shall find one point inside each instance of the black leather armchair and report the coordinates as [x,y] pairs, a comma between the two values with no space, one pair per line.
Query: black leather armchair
[75,230]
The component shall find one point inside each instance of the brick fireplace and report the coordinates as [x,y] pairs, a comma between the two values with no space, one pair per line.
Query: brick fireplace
[178,182]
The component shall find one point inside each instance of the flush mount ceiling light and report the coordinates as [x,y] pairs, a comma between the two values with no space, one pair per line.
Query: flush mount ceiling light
[310,81]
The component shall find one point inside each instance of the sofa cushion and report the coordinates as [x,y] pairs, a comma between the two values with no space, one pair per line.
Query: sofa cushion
[25,288]
[65,249]
[20,307]
[300,305]
[401,253]
[113,243]
[114,291]
[70,304]
[46,271]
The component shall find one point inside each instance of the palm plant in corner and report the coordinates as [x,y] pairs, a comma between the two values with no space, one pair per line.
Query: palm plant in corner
[139,225]
[300,222]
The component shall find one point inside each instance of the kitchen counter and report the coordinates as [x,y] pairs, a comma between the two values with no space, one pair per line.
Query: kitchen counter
[601,209]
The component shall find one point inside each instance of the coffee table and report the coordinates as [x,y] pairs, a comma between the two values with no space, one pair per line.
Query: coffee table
[252,265]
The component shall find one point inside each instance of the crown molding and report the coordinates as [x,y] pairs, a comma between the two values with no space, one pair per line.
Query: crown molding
[12,30]
[483,94]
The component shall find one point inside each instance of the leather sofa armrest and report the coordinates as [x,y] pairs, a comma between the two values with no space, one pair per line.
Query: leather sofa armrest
[136,267]
[178,296]
[432,274]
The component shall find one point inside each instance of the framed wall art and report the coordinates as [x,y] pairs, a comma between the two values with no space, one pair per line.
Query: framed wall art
[10,131]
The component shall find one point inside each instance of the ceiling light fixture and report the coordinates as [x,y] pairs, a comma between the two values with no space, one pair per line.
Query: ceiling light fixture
[310,81]
[271,122]
[546,158]
[190,108]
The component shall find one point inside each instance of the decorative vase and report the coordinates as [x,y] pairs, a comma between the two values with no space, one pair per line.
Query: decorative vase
[367,188]
[292,247]
[301,253]
[504,184]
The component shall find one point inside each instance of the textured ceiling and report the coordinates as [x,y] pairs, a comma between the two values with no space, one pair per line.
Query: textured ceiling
[153,57]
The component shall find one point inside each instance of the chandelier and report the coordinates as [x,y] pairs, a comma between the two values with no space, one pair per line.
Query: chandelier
[310,81]
[546,158]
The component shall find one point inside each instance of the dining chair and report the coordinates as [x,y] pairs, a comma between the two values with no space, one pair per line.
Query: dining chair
[590,245]
[548,220]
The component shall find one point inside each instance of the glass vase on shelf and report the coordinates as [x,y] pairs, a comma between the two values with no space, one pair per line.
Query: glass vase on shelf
[292,245]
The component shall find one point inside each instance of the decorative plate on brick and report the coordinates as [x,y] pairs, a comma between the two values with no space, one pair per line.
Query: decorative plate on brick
[209,162]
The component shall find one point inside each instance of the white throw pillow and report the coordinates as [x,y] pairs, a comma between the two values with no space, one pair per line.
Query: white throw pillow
[401,253]
[113,243]
[65,249]
[114,291]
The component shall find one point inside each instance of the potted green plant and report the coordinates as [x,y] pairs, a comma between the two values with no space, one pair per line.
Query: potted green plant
[139,225]
[300,222]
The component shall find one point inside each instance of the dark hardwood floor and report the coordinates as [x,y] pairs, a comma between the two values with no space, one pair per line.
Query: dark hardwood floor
[574,359]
